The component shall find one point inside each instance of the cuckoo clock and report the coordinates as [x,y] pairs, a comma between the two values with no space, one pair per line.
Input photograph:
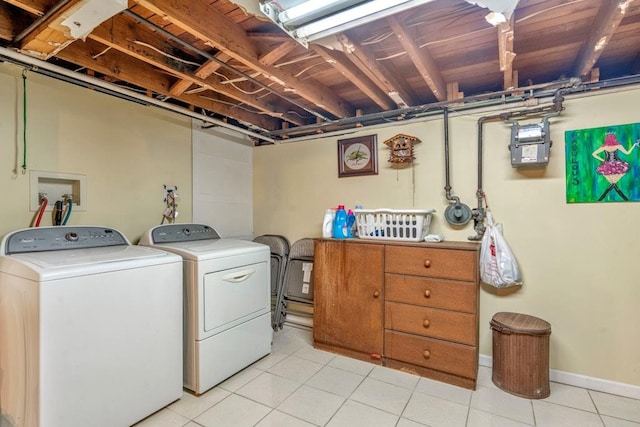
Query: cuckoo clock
[401,147]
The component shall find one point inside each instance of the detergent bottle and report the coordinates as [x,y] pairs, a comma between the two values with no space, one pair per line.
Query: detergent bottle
[340,223]
[351,220]
[327,223]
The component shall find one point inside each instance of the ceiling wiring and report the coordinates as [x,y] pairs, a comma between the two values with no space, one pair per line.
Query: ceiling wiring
[122,92]
[296,60]
[238,79]
[304,70]
[460,36]
[288,91]
[266,94]
[376,39]
[97,55]
[195,90]
[299,115]
[540,12]
[223,64]
[232,83]
[239,106]
[163,53]
[395,55]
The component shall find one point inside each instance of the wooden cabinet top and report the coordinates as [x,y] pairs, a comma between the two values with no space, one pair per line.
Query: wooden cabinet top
[459,245]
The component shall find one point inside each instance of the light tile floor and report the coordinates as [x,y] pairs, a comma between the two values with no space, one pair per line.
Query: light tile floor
[298,386]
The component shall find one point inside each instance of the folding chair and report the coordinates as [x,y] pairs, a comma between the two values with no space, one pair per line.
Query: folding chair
[296,296]
[279,246]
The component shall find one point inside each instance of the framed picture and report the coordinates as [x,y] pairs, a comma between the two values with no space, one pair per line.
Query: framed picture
[357,156]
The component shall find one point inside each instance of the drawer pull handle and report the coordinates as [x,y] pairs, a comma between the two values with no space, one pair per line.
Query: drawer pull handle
[427,293]
[426,323]
[426,354]
[427,263]
[376,294]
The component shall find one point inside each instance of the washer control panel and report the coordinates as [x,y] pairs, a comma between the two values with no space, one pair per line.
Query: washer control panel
[172,233]
[43,239]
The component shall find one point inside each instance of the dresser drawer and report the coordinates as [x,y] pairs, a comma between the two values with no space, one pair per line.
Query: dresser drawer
[457,359]
[430,322]
[431,262]
[458,296]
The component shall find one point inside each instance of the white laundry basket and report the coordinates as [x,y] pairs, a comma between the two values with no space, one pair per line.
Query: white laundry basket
[388,224]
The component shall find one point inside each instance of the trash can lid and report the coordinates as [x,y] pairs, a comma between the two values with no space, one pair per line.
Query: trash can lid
[509,323]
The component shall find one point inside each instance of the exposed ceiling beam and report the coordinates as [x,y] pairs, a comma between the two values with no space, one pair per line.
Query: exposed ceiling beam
[8,23]
[354,75]
[200,19]
[123,67]
[505,49]
[422,60]
[279,52]
[204,71]
[48,36]
[605,24]
[145,45]
[35,7]
[365,60]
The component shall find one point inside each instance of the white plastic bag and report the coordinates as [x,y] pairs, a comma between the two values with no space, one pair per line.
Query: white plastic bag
[498,264]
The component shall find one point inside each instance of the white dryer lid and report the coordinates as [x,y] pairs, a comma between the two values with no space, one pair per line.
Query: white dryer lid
[200,250]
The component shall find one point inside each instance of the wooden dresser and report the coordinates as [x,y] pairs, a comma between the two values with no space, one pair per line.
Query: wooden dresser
[409,306]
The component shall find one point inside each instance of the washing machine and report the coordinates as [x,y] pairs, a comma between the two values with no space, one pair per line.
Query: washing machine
[227,296]
[90,328]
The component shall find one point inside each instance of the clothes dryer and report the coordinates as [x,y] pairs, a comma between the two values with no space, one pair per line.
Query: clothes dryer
[90,328]
[227,301]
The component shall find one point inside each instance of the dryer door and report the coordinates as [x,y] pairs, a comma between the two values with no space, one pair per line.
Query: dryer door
[234,296]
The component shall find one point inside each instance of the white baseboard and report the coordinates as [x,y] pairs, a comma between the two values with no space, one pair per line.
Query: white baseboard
[577,380]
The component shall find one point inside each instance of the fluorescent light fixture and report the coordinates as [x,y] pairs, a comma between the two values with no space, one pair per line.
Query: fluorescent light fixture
[311,10]
[313,20]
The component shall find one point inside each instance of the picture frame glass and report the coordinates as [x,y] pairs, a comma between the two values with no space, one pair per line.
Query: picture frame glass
[357,156]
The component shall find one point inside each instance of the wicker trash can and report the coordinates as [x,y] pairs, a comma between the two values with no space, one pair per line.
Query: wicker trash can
[521,354]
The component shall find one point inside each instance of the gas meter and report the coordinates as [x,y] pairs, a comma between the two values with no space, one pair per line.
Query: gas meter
[530,144]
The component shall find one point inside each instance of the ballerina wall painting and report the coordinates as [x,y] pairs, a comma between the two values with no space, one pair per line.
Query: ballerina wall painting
[603,164]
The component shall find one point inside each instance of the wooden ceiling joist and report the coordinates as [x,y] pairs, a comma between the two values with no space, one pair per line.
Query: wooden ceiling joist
[204,71]
[217,31]
[49,36]
[8,24]
[278,53]
[120,66]
[606,22]
[35,7]
[354,75]
[421,59]
[506,53]
[145,45]
[379,74]
[217,56]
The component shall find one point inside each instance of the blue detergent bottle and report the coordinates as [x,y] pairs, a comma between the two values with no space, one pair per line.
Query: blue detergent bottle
[340,224]
[351,219]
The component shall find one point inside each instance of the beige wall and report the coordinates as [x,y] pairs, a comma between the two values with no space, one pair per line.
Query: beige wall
[126,151]
[579,261]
